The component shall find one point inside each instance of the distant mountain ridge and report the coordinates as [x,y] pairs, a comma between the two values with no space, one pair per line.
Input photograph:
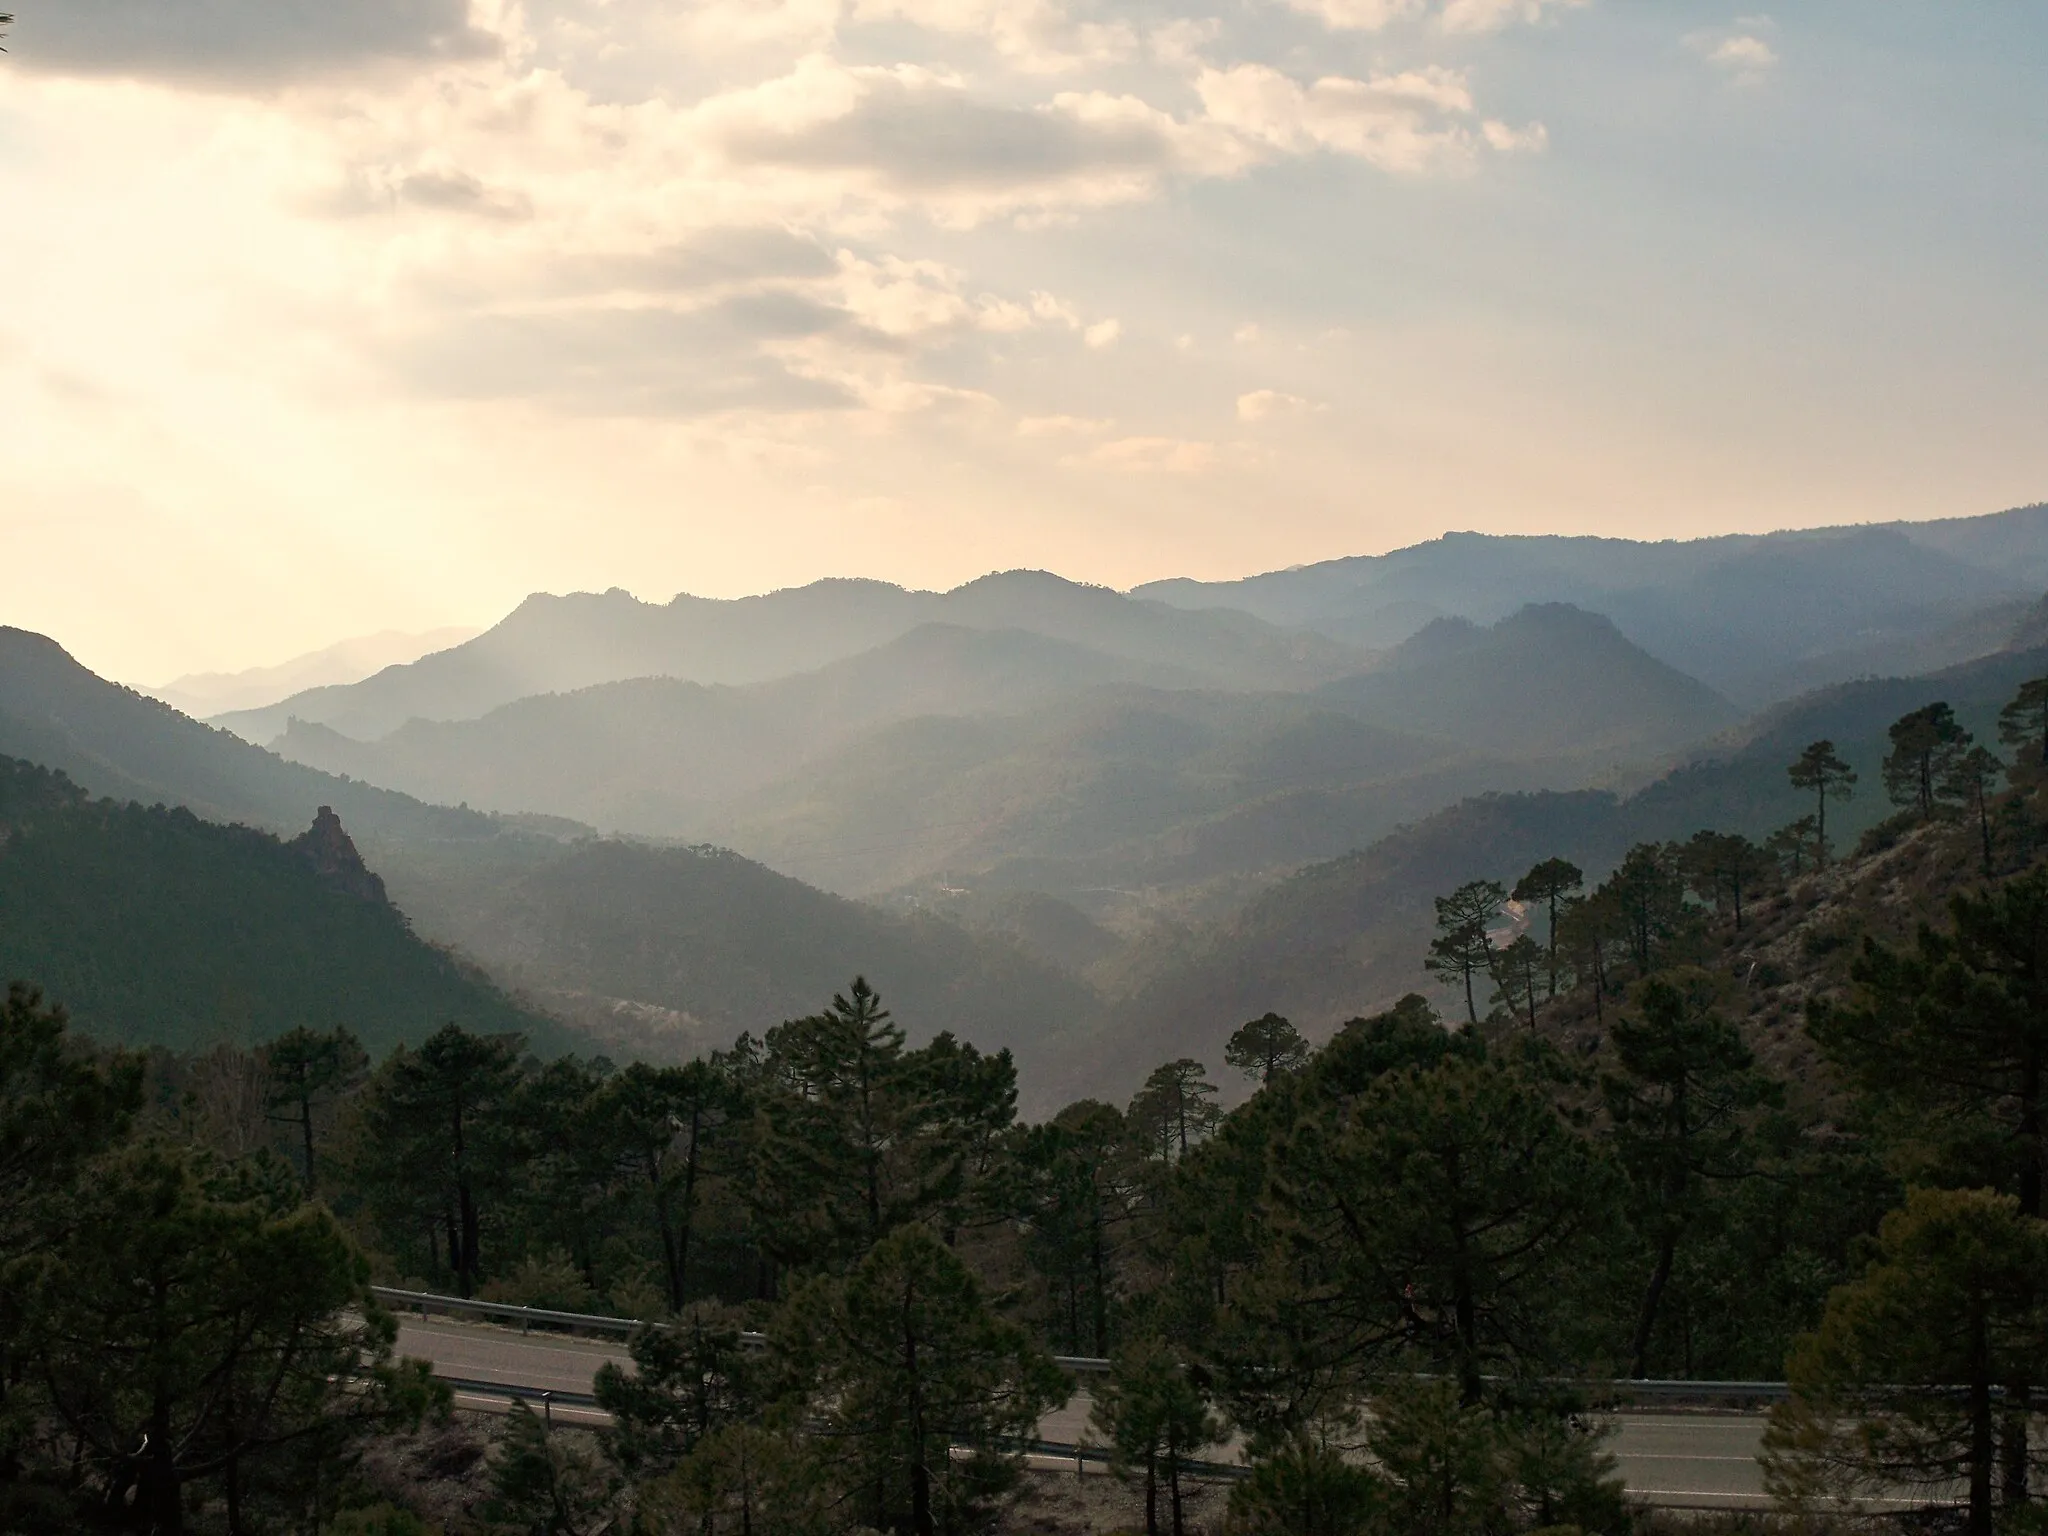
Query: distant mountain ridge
[346,661]
[1757,616]
[657,755]
[1548,679]
[561,644]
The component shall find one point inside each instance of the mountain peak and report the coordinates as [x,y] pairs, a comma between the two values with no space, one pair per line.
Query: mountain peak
[328,848]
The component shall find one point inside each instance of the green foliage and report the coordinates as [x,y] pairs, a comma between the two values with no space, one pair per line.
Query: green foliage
[1307,1486]
[745,1480]
[1155,1416]
[1900,1383]
[1436,1219]
[1550,884]
[1266,1047]
[543,1484]
[1463,947]
[1679,1107]
[1083,1182]
[305,1072]
[1450,1468]
[435,1148]
[1174,1111]
[1926,745]
[2023,723]
[691,1378]
[158,928]
[855,1135]
[1952,1035]
[195,1320]
[919,1390]
[1822,772]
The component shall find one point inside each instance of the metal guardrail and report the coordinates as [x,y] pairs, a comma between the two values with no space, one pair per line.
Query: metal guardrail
[425,1302]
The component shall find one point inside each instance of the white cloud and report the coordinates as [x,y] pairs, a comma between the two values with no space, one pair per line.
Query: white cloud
[1742,54]
[1103,333]
[1491,15]
[1453,16]
[1062,426]
[1409,123]
[1152,456]
[1264,404]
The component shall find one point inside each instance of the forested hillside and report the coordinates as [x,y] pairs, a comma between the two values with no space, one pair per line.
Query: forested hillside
[1342,935]
[160,929]
[669,952]
[1740,1112]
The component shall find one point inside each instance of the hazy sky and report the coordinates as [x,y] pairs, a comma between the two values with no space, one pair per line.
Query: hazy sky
[326,316]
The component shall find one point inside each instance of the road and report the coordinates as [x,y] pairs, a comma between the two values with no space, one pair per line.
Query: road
[1703,1459]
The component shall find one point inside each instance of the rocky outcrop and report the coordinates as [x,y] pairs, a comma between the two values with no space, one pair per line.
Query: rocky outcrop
[332,854]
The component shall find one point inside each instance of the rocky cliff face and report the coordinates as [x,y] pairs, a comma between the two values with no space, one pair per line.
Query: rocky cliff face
[328,848]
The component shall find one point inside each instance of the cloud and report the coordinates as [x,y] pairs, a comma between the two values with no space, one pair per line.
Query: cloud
[908,134]
[1062,426]
[1103,333]
[243,44]
[1152,456]
[1407,123]
[459,192]
[1454,16]
[1492,15]
[1035,36]
[1741,54]
[1264,404]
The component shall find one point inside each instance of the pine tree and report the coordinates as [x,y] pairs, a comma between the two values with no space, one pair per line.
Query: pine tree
[1517,972]
[1900,1382]
[1822,771]
[1678,1106]
[1462,950]
[1266,1048]
[2023,723]
[1972,779]
[1155,1416]
[919,1391]
[1550,884]
[1175,1110]
[1925,746]
[305,1071]
[437,1139]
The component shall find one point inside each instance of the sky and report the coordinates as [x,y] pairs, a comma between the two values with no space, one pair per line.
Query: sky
[323,317]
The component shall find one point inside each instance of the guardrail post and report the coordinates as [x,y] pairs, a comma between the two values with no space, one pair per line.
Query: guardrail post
[547,1409]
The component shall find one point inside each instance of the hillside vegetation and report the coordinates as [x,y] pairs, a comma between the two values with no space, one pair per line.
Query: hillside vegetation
[160,929]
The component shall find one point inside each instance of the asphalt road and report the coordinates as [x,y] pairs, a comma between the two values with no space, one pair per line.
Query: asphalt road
[1704,1459]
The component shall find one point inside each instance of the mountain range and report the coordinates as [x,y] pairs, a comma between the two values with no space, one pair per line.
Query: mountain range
[1759,617]
[554,644]
[1098,828]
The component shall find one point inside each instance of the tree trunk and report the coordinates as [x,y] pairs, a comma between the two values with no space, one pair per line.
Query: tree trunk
[1646,1322]
[306,1132]
[472,1228]
[1101,1288]
[1151,1494]
[1982,1451]
[1173,1490]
